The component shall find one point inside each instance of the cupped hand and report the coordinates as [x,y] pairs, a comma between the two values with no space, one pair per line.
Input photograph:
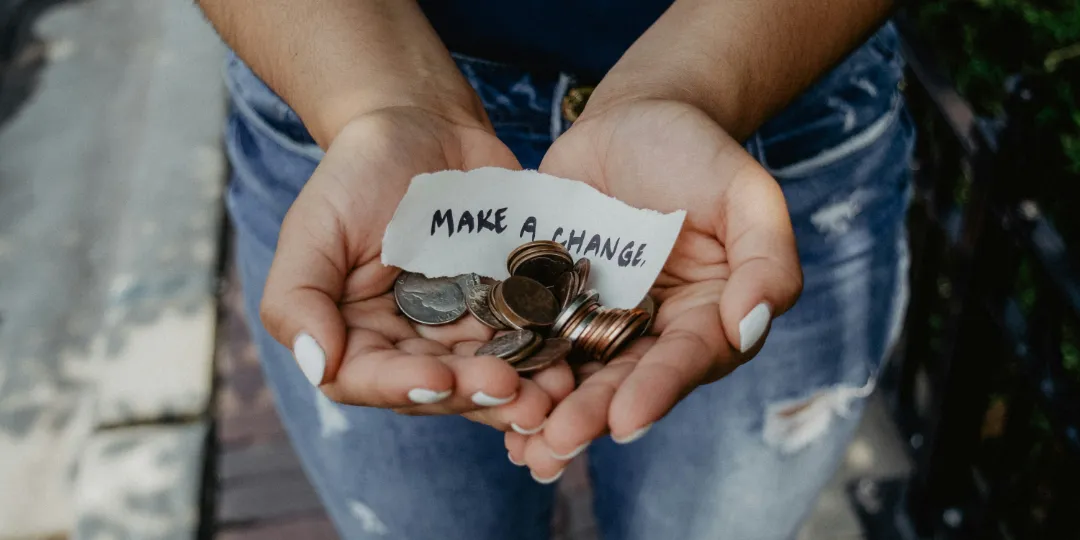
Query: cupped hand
[733,268]
[328,296]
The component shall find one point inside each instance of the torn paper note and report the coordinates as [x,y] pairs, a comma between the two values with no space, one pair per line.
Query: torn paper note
[455,222]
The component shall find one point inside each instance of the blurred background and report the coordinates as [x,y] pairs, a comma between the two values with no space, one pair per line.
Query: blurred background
[131,401]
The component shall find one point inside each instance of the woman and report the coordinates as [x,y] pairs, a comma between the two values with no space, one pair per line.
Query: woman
[778,125]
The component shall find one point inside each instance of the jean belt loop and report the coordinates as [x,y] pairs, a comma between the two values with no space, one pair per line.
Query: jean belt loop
[562,86]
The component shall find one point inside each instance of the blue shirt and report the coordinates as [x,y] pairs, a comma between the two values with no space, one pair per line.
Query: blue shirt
[584,37]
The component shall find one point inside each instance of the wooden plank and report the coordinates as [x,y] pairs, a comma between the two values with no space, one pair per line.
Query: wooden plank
[258,425]
[308,527]
[268,459]
[267,498]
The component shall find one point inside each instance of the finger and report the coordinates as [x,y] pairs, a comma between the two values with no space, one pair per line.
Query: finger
[480,381]
[766,278]
[545,468]
[583,415]
[524,415]
[515,447]
[465,329]
[587,370]
[557,380]
[690,351]
[299,306]
[377,374]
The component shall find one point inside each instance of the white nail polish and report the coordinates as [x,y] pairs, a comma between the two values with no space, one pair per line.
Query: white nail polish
[633,436]
[424,396]
[524,431]
[511,457]
[547,480]
[573,453]
[311,358]
[753,326]
[484,400]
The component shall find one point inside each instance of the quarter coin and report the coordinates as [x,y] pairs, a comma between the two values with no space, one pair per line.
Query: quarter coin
[476,299]
[429,301]
[508,345]
[467,281]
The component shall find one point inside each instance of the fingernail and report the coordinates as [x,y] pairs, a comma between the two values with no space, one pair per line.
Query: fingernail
[311,358]
[484,400]
[573,453]
[633,436]
[511,456]
[524,431]
[753,326]
[547,480]
[424,396]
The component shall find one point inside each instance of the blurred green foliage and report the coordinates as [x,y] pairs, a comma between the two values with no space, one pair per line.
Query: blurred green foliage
[985,42]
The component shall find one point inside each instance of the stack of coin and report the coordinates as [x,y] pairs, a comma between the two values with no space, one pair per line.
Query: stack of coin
[599,333]
[546,295]
[541,260]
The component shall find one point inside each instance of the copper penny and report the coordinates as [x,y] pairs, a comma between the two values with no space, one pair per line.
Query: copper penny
[582,268]
[544,267]
[648,305]
[528,303]
[553,350]
[528,246]
[498,307]
[634,330]
[566,288]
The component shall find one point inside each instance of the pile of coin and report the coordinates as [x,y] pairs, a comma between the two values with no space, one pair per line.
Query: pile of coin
[545,303]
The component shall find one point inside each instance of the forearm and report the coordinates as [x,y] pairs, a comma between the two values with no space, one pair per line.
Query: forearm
[331,60]
[738,60]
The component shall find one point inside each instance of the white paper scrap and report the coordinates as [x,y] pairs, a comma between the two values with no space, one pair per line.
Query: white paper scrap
[455,222]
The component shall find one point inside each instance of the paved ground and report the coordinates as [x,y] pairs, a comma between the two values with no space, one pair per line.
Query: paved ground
[110,181]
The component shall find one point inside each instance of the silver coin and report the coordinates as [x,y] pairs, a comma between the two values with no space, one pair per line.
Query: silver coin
[568,312]
[508,345]
[429,300]
[476,299]
[466,282]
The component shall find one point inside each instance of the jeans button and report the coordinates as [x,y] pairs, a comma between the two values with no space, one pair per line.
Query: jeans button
[574,101]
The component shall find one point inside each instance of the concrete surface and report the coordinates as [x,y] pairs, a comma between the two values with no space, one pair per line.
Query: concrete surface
[110,182]
[150,475]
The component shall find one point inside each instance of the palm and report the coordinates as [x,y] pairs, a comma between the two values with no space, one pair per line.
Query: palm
[328,279]
[737,237]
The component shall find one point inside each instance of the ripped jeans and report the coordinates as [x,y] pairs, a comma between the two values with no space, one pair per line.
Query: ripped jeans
[742,458]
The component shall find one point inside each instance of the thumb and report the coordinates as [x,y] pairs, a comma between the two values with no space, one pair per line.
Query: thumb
[300,302]
[766,278]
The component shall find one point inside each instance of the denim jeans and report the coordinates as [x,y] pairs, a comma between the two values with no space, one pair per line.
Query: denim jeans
[742,458]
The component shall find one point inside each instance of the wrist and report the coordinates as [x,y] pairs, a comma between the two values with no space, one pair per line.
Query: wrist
[714,97]
[457,105]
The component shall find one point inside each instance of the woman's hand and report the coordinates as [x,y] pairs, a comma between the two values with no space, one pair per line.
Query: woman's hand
[733,268]
[328,296]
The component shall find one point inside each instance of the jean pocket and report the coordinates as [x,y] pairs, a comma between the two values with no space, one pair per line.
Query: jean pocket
[847,109]
[265,112]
